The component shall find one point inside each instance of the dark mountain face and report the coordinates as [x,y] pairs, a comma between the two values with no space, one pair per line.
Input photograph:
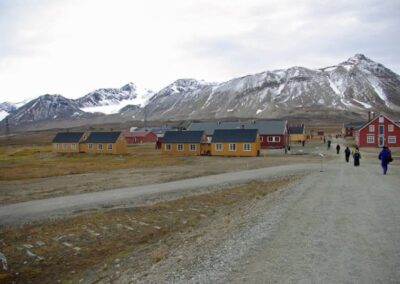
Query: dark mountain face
[46,107]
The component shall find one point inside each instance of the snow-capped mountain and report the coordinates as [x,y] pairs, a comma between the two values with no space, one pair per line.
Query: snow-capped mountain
[353,86]
[46,107]
[111,100]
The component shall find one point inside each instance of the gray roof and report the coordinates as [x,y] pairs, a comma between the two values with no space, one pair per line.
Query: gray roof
[103,137]
[68,137]
[183,136]
[234,135]
[354,125]
[272,127]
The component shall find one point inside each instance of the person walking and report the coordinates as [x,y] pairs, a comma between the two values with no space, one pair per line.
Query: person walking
[329,144]
[386,157]
[356,156]
[347,154]
[337,149]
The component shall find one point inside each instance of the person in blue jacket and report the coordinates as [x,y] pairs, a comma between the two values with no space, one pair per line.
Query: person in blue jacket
[386,157]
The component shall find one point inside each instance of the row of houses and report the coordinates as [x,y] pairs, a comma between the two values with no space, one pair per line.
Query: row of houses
[94,142]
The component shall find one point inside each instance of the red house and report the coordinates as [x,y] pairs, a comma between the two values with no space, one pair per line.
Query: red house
[380,131]
[140,137]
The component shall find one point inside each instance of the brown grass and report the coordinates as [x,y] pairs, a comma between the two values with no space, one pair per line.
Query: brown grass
[76,245]
[25,162]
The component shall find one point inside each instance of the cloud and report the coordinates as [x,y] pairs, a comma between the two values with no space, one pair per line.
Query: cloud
[72,47]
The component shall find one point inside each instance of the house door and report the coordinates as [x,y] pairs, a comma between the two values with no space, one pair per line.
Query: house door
[381,137]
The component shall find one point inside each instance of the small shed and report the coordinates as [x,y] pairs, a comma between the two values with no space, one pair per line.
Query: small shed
[68,142]
[105,142]
[185,143]
[235,142]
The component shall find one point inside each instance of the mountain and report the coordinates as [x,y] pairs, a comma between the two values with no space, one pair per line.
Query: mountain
[111,100]
[46,107]
[349,88]
[8,107]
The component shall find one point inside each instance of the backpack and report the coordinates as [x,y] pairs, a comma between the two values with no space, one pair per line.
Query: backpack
[390,159]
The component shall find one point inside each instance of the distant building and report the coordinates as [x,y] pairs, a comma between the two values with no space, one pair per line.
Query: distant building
[235,142]
[105,142]
[348,129]
[380,131]
[297,133]
[273,133]
[68,142]
[139,136]
[185,143]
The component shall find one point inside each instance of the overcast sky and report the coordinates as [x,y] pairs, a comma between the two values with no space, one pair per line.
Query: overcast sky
[72,47]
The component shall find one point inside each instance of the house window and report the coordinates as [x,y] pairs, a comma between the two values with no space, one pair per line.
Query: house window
[390,128]
[167,147]
[274,139]
[192,147]
[381,119]
[65,146]
[90,146]
[372,128]
[246,147]
[110,146]
[218,147]
[73,146]
[179,147]
[262,138]
[392,139]
[370,139]
[232,147]
[99,146]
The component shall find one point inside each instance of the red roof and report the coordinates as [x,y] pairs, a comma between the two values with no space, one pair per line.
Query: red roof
[137,133]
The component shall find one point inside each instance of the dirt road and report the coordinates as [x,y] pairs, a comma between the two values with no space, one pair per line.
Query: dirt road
[60,206]
[338,226]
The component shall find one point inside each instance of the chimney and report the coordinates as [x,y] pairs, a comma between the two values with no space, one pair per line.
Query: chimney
[369,116]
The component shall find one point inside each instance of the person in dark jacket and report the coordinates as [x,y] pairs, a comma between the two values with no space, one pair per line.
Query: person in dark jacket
[347,153]
[356,157]
[386,157]
[337,149]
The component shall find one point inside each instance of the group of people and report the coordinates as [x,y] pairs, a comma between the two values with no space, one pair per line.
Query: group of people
[385,156]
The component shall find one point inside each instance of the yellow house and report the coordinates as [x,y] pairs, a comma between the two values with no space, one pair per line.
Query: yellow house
[235,142]
[105,143]
[297,133]
[184,143]
[68,142]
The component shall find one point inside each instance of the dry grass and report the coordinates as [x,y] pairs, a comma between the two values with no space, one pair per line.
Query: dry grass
[25,162]
[66,249]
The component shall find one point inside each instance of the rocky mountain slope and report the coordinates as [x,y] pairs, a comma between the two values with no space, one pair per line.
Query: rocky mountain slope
[343,91]
[353,87]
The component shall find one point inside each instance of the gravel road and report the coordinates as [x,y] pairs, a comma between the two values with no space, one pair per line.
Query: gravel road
[37,210]
[337,226]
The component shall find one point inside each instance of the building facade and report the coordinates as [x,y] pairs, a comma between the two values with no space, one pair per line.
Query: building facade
[380,131]
[297,133]
[68,142]
[140,137]
[105,143]
[235,142]
[184,143]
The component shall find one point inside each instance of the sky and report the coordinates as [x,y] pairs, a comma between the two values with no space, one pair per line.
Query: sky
[72,47]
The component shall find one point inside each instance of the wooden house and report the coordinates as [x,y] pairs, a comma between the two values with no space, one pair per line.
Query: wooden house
[105,143]
[297,133]
[273,133]
[68,142]
[140,137]
[380,131]
[235,142]
[184,143]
